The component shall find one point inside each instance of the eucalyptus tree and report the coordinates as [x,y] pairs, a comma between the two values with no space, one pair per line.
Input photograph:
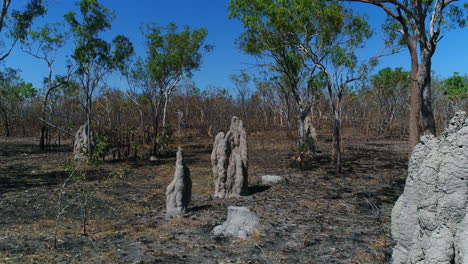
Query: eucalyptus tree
[21,21]
[312,38]
[333,50]
[95,57]
[13,92]
[420,25]
[270,34]
[45,44]
[171,55]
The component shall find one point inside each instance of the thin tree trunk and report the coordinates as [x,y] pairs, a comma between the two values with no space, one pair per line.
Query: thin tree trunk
[42,139]
[43,126]
[337,134]
[337,142]
[300,129]
[165,110]
[6,123]
[155,108]
[88,123]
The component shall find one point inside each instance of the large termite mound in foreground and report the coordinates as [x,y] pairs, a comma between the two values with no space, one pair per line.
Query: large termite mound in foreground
[230,162]
[430,219]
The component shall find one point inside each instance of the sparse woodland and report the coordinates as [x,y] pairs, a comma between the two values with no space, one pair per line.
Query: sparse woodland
[338,126]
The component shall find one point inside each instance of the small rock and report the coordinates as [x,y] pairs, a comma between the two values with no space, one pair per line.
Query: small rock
[240,223]
[153,158]
[271,179]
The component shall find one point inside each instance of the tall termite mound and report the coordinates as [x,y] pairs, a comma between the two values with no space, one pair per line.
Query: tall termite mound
[82,142]
[179,191]
[430,219]
[230,162]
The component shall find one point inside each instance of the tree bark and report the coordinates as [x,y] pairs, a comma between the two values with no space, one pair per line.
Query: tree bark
[166,100]
[424,83]
[415,105]
[337,134]
[6,123]
[43,127]
[337,142]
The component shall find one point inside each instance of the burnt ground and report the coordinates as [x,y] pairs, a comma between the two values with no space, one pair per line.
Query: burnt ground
[315,216]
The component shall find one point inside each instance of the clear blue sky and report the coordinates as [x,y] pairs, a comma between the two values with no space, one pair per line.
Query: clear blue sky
[226,59]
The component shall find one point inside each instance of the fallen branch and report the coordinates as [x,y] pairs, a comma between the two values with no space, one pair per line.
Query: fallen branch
[56,127]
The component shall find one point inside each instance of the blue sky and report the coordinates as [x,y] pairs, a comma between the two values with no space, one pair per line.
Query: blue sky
[225,59]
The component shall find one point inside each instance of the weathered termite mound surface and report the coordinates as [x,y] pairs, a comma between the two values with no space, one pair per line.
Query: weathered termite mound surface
[82,140]
[240,223]
[310,135]
[179,191]
[430,219]
[230,162]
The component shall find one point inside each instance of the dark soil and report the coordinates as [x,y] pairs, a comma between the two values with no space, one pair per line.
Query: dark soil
[315,216]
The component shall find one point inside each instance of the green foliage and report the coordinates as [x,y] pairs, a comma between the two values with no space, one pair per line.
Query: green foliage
[270,24]
[44,43]
[97,154]
[456,87]
[388,82]
[13,88]
[49,38]
[301,32]
[91,51]
[22,20]
[173,53]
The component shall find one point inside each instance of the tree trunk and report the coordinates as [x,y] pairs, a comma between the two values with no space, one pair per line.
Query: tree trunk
[337,134]
[415,105]
[166,99]
[424,82]
[337,142]
[42,139]
[43,127]
[155,105]
[300,129]
[6,123]
[88,122]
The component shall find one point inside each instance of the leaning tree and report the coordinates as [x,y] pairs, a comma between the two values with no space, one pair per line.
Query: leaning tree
[45,43]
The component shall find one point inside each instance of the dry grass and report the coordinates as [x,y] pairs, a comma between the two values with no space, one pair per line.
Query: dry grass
[363,257]
[380,243]
[321,204]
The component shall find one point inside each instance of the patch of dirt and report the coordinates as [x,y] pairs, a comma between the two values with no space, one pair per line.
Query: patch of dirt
[314,216]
